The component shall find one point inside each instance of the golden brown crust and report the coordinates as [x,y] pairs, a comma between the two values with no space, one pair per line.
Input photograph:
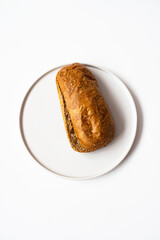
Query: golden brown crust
[90,117]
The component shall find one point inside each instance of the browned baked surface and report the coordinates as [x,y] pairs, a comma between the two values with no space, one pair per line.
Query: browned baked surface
[88,120]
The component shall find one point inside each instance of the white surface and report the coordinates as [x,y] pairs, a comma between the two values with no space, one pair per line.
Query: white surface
[122,36]
[45,136]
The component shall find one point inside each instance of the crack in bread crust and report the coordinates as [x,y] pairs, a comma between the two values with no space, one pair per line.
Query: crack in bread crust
[68,124]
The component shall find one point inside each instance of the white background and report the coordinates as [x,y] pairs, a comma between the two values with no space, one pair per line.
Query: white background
[122,36]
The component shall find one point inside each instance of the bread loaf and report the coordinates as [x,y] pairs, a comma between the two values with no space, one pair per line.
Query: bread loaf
[87,118]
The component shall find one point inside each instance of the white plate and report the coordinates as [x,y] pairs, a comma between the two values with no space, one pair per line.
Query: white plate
[44,134]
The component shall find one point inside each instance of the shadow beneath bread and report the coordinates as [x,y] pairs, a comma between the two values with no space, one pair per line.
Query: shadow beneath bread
[117,113]
[139,120]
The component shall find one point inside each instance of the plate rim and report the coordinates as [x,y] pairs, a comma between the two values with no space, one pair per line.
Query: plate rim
[119,81]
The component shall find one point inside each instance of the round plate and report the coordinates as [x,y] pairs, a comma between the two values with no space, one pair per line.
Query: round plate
[44,135]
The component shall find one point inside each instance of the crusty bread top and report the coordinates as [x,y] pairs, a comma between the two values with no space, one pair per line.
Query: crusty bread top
[90,116]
